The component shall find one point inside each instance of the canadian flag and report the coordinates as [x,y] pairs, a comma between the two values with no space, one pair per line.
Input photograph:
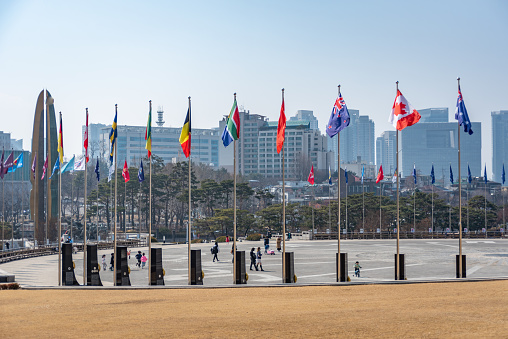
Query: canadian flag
[403,114]
[311,176]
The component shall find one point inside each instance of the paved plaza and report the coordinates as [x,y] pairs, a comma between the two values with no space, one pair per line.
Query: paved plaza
[314,262]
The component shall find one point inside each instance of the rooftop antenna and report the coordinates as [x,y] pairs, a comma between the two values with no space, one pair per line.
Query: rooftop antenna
[160,116]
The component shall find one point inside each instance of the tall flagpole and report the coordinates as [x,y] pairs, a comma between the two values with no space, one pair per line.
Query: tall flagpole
[84,224]
[345,171]
[22,212]
[432,222]
[397,262]
[234,207]
[115,217]
[283,208]
[12,205]
[60,215]
[150,207]
[97,226]
[338,202]
[460,198]
[190,210]
[380,194]
[72,202]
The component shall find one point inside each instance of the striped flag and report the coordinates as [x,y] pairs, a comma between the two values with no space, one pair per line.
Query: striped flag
[112,136]
[60,142]
[148,132]
[185,136]
[85,144]
[232,128]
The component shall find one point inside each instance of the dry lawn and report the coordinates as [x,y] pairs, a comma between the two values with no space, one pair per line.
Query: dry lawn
[444,310]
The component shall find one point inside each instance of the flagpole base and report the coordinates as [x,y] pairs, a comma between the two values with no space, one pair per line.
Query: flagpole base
[342,275]
[457,270]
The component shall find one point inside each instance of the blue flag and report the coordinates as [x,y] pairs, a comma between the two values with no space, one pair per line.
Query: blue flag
[18,163]
[339,119]
[451,175]
[414,172]
[503,176]
[432,176]
[141,172]
[68,166]
[329,176]
[345,174]
[485,173]
[97,170]
[461,114]
[363,172]
[57,166]
[469,177]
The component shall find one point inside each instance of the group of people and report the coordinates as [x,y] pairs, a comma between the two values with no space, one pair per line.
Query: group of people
[140,257]
[255,259]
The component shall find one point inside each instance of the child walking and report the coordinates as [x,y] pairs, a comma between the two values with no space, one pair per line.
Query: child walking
[144,259]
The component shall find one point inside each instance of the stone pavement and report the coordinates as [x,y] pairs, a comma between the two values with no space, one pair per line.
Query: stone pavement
[426,259]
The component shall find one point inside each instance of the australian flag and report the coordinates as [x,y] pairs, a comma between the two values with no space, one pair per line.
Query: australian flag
[461,114]
[339,119]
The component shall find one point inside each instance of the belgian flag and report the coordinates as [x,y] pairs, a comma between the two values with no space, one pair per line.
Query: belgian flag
[185,136]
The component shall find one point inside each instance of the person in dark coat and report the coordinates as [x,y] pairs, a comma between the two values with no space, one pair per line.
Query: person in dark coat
[253,259]
[112,262]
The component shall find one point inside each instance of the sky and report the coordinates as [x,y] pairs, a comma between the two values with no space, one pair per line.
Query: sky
[95,54]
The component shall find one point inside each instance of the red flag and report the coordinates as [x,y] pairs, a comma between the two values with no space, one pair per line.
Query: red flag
[125,172]
[311,176]
[281,128]
[380,175]
[403,114]
[86,137]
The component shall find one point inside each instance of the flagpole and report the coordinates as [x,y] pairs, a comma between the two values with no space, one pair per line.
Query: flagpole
[363,202]
[115,216]
[283,209]
[60,212]
[72,202]
[97,228]
[190,211]
[22,212]
[125,207]
[12,203]
[35,197]
[485,192]
[84,224]
[397,263]
[432,221]
[150,206]
[460,198]
[380,194]
[234,206]
[338,200]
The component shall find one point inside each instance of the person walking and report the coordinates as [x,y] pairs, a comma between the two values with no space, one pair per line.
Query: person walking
[215,251]
[258,259]
[112,262]
[104,263]
[144,259]
[279,240]
[253,259]
[138,257]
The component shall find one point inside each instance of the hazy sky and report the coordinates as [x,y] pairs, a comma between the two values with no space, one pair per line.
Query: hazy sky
[97,54]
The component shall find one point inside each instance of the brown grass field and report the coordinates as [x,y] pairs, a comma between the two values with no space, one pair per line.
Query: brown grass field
[433,310]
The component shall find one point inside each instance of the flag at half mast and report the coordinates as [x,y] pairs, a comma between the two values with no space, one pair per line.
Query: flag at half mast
[148,132]
[403,114]
[185,136]
[232,129]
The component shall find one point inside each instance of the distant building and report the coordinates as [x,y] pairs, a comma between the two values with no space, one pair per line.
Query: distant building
[427,143]
[355,140]
[5,140]
[433,114]
[305,115]
[165,144]
[386,151]
[499,143]
[257,151]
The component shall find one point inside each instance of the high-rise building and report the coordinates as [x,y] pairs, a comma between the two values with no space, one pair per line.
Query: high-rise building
[499,143]
[356,140]
[434,114]
[424,144]
[305,115]
[5,140]
[386,151]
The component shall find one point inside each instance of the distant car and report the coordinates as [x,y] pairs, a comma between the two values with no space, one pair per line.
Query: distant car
[271,252]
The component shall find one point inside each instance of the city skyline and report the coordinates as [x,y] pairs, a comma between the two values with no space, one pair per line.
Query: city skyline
[131,54]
